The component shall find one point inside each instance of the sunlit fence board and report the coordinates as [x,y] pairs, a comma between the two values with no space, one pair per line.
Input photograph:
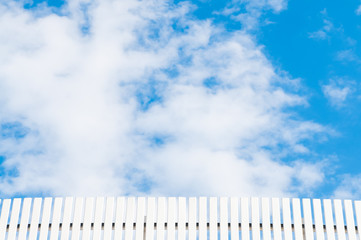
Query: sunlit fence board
[130,218]
[266,223]
[24,221]
[15,211]
[33,232]
[108,222]
[287,223]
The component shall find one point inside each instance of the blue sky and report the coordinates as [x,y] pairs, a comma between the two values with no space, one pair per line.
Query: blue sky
[149,98]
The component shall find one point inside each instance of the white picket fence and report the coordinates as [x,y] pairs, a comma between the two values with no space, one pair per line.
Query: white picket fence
[126,218]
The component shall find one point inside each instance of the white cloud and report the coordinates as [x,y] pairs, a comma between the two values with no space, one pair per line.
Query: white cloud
[134,106]
[323,33]
[347,56]
[248,12]
[358,10]
[349,187]
[337,92]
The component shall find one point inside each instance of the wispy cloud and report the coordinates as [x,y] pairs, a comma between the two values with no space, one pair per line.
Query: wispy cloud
[322,33]
[349,187]
[147,100]
[248,12]
[347,56]
[337,92]
[358,10]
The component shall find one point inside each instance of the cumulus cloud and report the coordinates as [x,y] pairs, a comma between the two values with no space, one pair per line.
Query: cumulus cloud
[337,92]
[139,97]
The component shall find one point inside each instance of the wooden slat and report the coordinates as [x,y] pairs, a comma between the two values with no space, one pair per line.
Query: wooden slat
[234,218]
[330,232]
[88,218]
[276,217]
[45,219]
[98,218]
[203,218]
[266,223]
[245,218]
[15,210]
[139,232]
[4,217]
[358,217]
[256,234]
[287,227]
[340,223]
[160,218]
[182,216]
[33,232]
[78,210]
[317,209]
[68,207]
[54,233]
[192,219]
[171,219]
[149,231]
[119,219]
[223,213]
[213,218]
[307,214]
[297,219]
[108,222]
[350,220]
[24,221]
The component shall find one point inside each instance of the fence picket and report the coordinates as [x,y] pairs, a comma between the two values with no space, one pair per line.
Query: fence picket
[119,219]
[276,217]
[33,232]
[245,218]
[256,234]
[350,220]
[129,220]
[45,219]
[358,217]
[213,218]
[340,224]
[75,233]
[234,218]
[330,232]
[150,218]
[297,219]
[182,215]
[108,221]
[68,208]
[223,212]
[192,219]
[139,233]
[203,218]
[54,233]
[266,222]
[88,218]
[287,224]
[171,219]
[160,218]
[320,234]
[24,221]
[14,219]
[307,216]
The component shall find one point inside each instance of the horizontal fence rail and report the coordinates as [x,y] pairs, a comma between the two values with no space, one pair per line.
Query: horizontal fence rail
[128,218]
